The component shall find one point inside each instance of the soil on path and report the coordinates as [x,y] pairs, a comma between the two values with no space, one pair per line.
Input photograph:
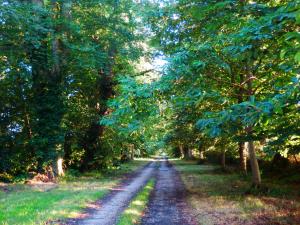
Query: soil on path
[109,208]
[167,204]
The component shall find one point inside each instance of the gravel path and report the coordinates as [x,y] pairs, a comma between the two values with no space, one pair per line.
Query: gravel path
[167,205]
[113,206]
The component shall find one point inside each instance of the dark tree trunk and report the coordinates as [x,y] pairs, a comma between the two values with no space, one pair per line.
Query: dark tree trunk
[184,151]
[104,89]
[91,141]
[223,159]
[68,148]
[105,85]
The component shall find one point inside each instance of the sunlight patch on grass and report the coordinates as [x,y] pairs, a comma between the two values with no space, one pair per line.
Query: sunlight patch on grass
[219,198]
[134,212]
[34,207]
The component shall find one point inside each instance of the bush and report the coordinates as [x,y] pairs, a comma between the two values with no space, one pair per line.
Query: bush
[6,178]
[214,157]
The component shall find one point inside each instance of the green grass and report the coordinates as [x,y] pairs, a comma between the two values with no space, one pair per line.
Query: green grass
[219,197]
[22,204]
[134,212]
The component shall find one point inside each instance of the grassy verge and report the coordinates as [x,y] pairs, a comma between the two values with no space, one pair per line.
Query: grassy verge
[134,212]
[36,204]
[219,198]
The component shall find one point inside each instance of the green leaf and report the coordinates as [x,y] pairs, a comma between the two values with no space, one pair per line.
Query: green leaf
[297,57]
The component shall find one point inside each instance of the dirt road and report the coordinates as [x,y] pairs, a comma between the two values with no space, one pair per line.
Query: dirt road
[166,207]
[167,203]
[113,205]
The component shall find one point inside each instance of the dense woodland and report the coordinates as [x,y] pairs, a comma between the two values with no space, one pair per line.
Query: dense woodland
[75,95]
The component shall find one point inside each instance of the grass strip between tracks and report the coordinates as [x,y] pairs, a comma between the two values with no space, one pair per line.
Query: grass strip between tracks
[135,210]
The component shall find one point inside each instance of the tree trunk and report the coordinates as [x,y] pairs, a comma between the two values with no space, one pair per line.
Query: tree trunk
[105,85]
[186,152]
[243,157]
[68,147]
[256,179]
[223,158]
[190,153]
[295,158]
[90,141]
[55,169]
[60,169]
[201,152]
[26,115]
[181,150]
[131,150]
[201,155]
[27,124]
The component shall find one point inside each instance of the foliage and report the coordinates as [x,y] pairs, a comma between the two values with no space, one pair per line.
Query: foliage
[59,64]
[232,75]
[71,86]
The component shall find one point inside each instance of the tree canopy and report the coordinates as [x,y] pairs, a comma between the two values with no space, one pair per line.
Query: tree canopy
[74,84]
